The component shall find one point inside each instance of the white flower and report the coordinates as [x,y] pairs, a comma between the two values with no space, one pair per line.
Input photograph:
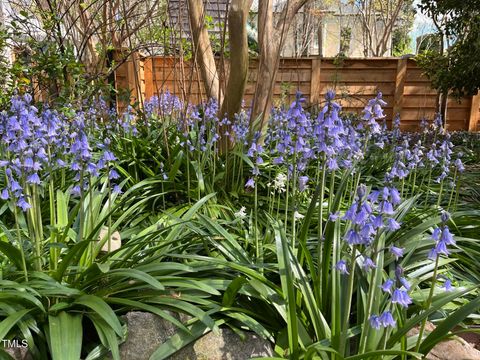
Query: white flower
[297,215]
[241,213]
[279,182]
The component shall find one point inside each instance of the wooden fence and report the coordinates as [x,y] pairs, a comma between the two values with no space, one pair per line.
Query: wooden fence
[355,81]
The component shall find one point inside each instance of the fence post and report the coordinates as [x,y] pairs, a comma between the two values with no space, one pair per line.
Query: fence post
[148,77]
[139,78]
[399,87]
[474,113]
[315,87]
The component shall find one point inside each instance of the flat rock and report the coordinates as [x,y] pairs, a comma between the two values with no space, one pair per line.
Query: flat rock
[146,332]
[455,348]
[18,353]
[225,346]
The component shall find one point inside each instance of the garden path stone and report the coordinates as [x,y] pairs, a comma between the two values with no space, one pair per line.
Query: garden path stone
[225,346]
[19,353]
[454,349]
[148,331]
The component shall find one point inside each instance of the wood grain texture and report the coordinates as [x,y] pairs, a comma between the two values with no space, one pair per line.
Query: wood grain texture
[355,81]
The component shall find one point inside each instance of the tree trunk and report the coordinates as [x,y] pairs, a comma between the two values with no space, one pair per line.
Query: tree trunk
[203,52]
[271,39]
[237,78]
[268,50]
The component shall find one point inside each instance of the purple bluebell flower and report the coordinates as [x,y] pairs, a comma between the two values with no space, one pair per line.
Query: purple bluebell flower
[113,174]
[445,216]
[361,216]
[333,216]
[375,322]
[378,221]
[368,264]
[387,286]
[401,297]
[361,191]
[4,195]
[386,319]
[342,267]
[447,236]
[23,204]
[15,186]
[250,183]
[387,208]
[76,190]
[405,283]
[439,248]
[353,238]
[392,224]
[396,251]
[395,196]
[332,164]
[108,156]
[351,212]
[33,179]
[447,285]
[459,165]
[302,183]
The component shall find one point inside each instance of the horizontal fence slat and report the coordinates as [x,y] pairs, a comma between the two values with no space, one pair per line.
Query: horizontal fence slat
[355,81]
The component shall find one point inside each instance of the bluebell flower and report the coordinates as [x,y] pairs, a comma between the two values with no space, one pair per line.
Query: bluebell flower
[439,248]
[459,165]
[76,190]
[350,214]
[387,286]
[15,186]
[436,234]
[447,236]
[23,204]
[445,216]
[396,251]
[302,183]
[333,216]
[33,179]
[342,267]
[332,164]
[378,221]
[250,183]
[113,174]
[361,216]
[368,264]
[353,238]
[387,208]
[375,322]
[447,285]
[4,195]
[392,224]
[108,156]
[386,319]
[395,196]
[330,95]
[401,297]
[405,283]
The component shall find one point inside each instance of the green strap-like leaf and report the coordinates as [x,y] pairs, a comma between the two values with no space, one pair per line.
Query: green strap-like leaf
[101,308]
[380,353]
[288,286]
[10,322]
[181,339]
[65,336]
